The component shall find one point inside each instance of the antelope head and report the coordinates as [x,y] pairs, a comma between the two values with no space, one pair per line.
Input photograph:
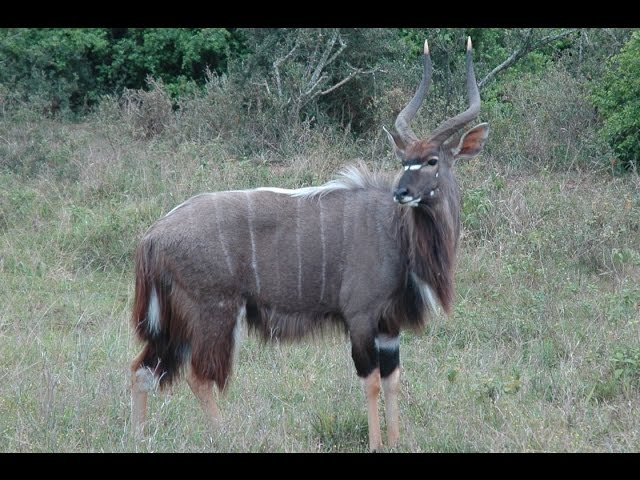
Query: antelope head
[428,163]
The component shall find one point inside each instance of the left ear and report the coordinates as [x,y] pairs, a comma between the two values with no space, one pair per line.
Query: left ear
[471,142]
[397,142]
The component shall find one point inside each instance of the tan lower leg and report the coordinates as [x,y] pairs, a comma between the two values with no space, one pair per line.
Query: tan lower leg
[391,387]
[372,390]
[203,390]
[142,381]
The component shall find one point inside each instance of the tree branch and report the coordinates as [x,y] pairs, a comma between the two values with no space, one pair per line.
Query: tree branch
[343,45]
[550,38]
[312,87]
[276,67]
[524,50]
[513,58]
[319,76]
[340,83]
[351,76]
[325,57]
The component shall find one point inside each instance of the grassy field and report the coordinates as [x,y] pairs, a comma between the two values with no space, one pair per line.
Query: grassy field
[542,352]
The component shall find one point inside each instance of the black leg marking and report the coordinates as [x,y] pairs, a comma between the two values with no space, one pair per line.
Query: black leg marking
[389,354]
[364,351]
[389,361]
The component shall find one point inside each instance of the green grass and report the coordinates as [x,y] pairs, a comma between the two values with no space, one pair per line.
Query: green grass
[541,353]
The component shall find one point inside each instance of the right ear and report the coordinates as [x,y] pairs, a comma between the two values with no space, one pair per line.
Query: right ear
[397,142]
[472,142]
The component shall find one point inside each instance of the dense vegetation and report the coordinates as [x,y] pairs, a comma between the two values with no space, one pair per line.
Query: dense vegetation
[104,130]
[263,79]
[618,96]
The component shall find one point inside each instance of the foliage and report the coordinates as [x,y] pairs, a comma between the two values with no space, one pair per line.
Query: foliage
[149,111]
[67,70]
[54,68]
[545,120]
[177,56]
[617,96]
[318,75]
[278,87]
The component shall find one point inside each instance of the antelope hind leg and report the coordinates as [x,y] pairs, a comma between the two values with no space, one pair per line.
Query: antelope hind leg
[142,381]
[203,390]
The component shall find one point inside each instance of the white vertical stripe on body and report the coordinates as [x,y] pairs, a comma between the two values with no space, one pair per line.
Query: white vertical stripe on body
[221,237]
[322,241]
[298,250]
[254,258]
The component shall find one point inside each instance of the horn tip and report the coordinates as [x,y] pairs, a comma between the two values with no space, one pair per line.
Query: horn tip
[426,47]
[469,43]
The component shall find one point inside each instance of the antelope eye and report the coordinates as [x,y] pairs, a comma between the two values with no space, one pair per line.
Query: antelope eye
[432,161]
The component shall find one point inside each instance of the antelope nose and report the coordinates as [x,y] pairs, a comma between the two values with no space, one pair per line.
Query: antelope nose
[399,193]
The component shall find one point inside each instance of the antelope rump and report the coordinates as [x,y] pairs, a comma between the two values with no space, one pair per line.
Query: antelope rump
[374,255]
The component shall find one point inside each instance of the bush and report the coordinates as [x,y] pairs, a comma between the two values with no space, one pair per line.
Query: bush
[67,70]
[53,68]
[149,112]
[32,148]
[544,120]
[617,96]
[177,56]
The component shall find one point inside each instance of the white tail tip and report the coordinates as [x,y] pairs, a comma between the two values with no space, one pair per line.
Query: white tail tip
[469,43]
[426,47]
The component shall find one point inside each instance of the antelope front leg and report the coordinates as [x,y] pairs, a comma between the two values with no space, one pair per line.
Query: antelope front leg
[391,387]
[372,391]
[364,351]
[389,354]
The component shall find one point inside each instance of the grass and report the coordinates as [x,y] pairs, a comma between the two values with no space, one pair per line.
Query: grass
[542,352]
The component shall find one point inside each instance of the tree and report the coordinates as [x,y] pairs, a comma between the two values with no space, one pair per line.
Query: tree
[54,68]
[69,69]
[317,73]
[617,97]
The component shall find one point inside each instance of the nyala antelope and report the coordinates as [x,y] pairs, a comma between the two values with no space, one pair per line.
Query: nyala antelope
[372,254]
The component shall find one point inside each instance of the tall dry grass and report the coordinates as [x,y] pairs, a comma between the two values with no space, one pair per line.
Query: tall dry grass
[542,352]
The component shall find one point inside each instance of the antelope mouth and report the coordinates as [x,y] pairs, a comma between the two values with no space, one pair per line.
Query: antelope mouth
[411,201]
[408,201]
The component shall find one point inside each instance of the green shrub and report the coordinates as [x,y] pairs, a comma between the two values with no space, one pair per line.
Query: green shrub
[544,120]
[148,112]
[65,70]
[32,148]
[50,67]
[617,96]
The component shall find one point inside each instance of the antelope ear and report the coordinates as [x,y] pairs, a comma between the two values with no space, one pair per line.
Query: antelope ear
[397,142]
[471,142]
